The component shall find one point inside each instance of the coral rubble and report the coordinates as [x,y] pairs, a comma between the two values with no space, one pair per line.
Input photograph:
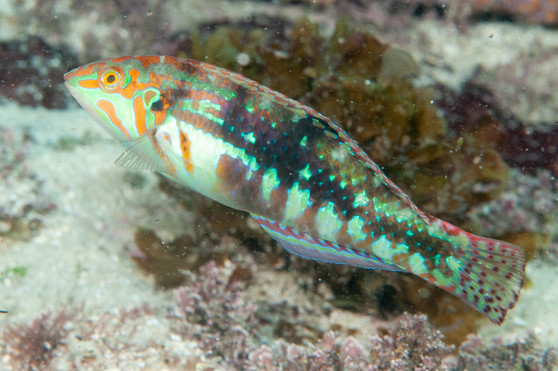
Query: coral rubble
[31,72]
[213,325]
[22,200]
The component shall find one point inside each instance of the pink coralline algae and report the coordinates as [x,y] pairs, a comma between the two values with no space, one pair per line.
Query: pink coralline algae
[410,345]
[213,325]
[33,346]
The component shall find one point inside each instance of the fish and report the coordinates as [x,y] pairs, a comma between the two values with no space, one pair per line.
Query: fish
[298,174]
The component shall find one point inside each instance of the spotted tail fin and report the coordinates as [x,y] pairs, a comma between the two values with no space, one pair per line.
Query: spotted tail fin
[488,274]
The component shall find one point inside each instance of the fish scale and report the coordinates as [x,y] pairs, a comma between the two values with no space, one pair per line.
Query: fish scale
[297,173]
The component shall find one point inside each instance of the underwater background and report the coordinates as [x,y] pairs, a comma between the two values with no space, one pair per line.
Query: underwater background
[105,268]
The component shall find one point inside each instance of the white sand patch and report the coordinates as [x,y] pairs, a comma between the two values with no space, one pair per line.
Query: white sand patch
[80,253]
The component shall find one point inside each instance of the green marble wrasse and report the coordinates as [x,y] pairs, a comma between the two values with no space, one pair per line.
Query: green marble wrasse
[298,174]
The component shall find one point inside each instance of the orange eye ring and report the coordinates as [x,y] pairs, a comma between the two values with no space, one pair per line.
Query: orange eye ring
[110,79]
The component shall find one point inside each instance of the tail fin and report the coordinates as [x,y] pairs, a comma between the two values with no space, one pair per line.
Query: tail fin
[488,274]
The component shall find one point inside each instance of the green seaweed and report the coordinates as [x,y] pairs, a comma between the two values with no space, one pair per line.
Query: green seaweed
[19,271]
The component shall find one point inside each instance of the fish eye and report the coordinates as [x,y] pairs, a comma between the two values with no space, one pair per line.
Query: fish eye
[110,79]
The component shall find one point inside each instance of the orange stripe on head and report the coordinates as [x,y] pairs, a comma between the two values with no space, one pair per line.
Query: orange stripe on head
[122,59]
[135,85]
[147,61]
[185,146]
[108,108]
[139,112]
[160,117]
[85,70]
[88,84]
[134,74]
[131,88]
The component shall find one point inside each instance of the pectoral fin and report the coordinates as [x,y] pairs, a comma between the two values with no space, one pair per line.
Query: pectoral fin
[152,151]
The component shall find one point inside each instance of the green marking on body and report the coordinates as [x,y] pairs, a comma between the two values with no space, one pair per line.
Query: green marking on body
[270,181]
[404,215]
[250,137]
[142,78]
[383,248]
[355,228]
[317,123]
[306,173]
[209,84]
[328,222]
[343,184]
[297,202]
[203,105]
[234,152]
[416,261]
[338,154]
[330,134]
[453,263]
[249,107]
[304,141]
[361,199]
[387,209]
[347,148]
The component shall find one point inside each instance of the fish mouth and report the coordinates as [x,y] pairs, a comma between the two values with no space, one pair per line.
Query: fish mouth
[71,79]
[72,89]
[67,81]
[71,85]
[68,75]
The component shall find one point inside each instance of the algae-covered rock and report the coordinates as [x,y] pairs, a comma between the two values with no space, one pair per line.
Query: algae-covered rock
[366,87]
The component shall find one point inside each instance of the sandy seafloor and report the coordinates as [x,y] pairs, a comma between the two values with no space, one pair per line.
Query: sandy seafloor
[79,255]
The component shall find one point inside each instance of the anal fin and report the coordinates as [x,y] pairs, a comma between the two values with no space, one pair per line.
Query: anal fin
[310,247]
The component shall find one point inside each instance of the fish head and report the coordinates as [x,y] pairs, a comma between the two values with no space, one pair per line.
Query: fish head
[122,94]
